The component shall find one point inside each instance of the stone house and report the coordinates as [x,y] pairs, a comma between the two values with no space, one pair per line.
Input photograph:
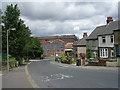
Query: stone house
[92,41]
[80,47]
[104,40]
[117,42]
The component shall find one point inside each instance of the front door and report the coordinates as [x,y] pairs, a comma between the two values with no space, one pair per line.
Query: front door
[117,50]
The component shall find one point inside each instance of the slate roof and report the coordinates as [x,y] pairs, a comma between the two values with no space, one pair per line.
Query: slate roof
[104,29]
[97,31]
[81,42]
[58,37]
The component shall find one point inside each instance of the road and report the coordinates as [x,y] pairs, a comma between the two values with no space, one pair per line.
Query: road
[0,80]
[49,74]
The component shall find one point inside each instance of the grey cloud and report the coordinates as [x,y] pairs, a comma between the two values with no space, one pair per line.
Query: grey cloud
[66,11]
[56,18]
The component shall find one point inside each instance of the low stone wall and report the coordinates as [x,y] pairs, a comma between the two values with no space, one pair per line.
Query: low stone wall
[113,64]
[11,63]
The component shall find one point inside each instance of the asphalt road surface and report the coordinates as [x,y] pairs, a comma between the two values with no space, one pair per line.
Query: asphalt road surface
[48,74]
[0,80]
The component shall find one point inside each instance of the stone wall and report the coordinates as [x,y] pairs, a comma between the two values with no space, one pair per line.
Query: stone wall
[113,64]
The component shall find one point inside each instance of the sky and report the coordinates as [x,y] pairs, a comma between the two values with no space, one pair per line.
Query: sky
[64,18]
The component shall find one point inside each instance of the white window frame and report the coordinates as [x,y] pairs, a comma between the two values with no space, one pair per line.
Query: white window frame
[103,38]
[104,52]
[112,53]
[111,39]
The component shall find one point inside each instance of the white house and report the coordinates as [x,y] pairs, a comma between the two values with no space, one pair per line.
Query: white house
[106,40]
[106,46]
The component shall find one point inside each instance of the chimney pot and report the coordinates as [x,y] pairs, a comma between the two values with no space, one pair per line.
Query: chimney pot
[85,35]
[109,19]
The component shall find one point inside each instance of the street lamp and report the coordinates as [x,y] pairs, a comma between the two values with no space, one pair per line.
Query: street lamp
[8,48]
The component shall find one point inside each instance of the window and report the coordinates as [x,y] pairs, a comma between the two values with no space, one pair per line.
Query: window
[47,47]
[103,52]
[43,47]
[103,39]
[112,53]
[111,39]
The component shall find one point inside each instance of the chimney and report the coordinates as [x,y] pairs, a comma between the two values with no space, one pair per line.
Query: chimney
[109,19]
[85,35]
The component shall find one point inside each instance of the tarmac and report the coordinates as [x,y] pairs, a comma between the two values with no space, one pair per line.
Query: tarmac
[20,78]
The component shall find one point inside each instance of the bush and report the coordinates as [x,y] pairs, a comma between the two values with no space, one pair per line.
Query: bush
[58,59]
[11,58]
[63,57]
[73,61]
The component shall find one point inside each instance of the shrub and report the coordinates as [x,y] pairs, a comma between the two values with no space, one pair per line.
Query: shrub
[73,61]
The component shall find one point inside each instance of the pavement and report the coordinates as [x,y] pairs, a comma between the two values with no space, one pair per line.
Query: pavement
[16,78]
[85,67]
[0,80]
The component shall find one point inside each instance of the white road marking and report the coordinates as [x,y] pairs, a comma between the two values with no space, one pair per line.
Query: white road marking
[55,77]
[1,74]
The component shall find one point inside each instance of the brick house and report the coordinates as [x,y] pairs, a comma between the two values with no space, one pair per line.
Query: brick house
[68,48]
[56,45]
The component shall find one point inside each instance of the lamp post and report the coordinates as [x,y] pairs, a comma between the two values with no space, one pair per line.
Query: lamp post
[8,49]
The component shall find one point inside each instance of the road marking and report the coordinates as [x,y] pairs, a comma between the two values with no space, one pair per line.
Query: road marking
[1,74]
[53,77]
[40,60]
[32,82]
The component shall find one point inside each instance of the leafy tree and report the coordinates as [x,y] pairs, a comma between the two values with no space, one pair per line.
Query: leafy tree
[88,52]
[0,33]
[18,38]
[35,50]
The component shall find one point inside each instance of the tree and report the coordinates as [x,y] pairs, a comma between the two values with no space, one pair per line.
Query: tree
[88,53]
[18,38]
[34,49]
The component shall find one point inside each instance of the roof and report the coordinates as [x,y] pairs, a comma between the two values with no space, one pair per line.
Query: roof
[69,46]
[111,27]
[58,37]
[97,31]
[81,42]
[104,29]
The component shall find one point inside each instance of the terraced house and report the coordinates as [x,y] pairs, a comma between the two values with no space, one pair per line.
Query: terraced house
[104,41]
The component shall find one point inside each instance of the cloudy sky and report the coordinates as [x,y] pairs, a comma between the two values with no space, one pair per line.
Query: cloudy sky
[63,18]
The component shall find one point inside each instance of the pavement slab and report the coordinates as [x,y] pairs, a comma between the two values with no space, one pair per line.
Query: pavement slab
[15,78]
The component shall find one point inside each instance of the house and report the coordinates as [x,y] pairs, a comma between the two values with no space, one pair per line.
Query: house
[80,47]
[117,42]
[57,45]
[68,48]
[104,41]
[92,40]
